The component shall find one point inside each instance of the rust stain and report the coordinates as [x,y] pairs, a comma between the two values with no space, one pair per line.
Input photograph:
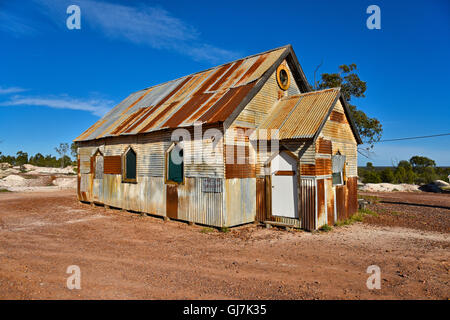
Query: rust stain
[112,165]
[212,78]
[338,117]
[171,93]
[308,170]
[147,114]
[163,112]
[123,114]
[330,201]
[225,106]
[323,146]
[352,195]
[320,199]
[172,201]
[285,173]
[206,106]
[225,77]
[252,69]
[129,120]
[323,166]
[260,199]
[190,106]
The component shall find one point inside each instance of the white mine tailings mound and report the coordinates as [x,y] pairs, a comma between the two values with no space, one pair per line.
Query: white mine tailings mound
[389,187]
[32,178]
[13,181]
[65,182]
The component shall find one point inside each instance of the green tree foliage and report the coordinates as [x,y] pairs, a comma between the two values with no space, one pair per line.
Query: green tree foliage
[387,175]
[418,170]
[372,177]
[38,159]
[370,129]
[421,163]
[74,150]
[21,158]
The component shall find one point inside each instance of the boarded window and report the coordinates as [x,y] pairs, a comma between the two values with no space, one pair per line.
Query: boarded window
[98,167]
[130,166]
[175,163]
[112,165]
[338,164]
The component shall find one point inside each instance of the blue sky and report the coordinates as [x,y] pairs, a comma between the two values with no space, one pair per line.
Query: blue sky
[56,82]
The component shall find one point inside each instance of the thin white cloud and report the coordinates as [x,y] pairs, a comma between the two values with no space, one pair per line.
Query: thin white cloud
[10,90]
[98,107]
[17,26]
[144,25]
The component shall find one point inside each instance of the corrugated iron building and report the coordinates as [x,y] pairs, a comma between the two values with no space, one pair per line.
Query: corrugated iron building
[277,151]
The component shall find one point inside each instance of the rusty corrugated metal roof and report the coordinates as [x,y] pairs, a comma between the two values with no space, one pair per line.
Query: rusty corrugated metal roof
[300,116]
[209,96]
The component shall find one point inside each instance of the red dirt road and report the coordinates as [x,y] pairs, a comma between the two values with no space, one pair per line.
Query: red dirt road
[125,256]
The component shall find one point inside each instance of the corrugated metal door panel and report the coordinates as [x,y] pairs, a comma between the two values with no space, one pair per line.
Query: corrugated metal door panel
[340,203]
[172,201]
[352,193]
[260,200]
[308,195]
[330,201]
[321,205]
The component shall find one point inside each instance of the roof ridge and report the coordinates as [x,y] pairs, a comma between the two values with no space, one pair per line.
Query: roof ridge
[310,93]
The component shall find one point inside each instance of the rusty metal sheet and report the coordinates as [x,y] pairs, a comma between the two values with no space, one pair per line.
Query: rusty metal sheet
[321,201]
[261,199]
[227,107]
[324,146]
[195,102]
[330,201]
[323,166]
[338,117]
[341,203]
[307,203]
[252,69]
[226,76]
[172,201]
[300,116]
[213,78]
[352,194]
[171,104]
[112,165]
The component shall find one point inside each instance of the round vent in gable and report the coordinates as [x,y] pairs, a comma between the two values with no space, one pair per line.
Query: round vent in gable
[283,78]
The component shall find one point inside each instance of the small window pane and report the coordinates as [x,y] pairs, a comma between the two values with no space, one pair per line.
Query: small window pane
[131,165]
[337,178]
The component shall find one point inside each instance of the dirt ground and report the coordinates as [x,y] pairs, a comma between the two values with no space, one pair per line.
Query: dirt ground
[123,255]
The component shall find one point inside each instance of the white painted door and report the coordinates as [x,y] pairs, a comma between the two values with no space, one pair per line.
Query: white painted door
[284,186]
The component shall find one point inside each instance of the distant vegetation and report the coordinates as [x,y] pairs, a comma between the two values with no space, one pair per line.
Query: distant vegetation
[40,160]
[418,170]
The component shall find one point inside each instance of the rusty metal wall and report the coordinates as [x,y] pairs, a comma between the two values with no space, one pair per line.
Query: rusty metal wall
[341,203]
[330,201]
[198,206]
[352,194]
[240,201]
[307,203]
[261,214]
[321,203]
